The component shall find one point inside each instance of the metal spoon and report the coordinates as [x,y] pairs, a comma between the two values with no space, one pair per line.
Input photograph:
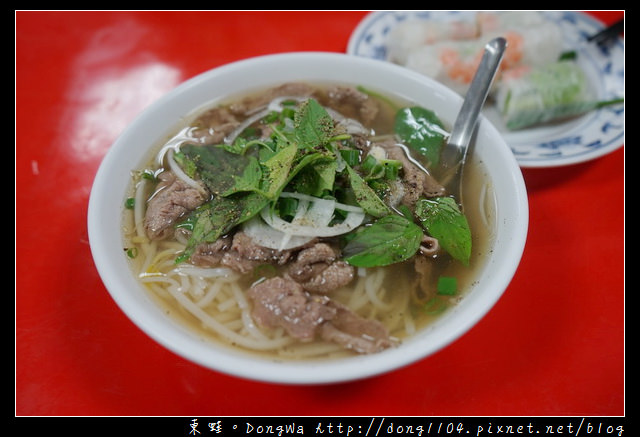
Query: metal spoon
[609,33]
[455,151]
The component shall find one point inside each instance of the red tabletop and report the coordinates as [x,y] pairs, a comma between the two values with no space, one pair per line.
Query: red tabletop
[553,345]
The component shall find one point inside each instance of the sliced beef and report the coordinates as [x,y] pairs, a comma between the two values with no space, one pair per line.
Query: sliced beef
[354,332]
[250,104]
[417,182]
[211,254]
[352,103]
[172,199]
[214,125]
[318,270]
[424,278]
[244,254]
[282,302]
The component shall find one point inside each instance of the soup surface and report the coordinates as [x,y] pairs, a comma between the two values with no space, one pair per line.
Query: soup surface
[306,221]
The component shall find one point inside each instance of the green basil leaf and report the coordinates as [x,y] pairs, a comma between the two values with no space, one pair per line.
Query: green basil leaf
[218,169]
[365,196]
[317,178]
[442,219]
[313,124]
[277,172]
[249,180]
[389,240]
[422,131]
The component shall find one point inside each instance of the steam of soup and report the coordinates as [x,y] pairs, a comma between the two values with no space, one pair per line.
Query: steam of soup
[306,221]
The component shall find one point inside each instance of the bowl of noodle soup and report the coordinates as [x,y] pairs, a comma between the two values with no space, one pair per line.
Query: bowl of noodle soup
[221,307]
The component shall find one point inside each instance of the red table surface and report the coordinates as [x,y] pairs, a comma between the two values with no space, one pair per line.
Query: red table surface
[552,346]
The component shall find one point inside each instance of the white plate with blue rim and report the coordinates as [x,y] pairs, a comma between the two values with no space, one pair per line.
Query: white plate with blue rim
[579,139]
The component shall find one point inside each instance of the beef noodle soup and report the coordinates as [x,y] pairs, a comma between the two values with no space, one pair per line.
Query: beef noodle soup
[306,221]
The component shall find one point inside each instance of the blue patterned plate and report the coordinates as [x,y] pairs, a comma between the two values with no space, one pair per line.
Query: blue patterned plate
[580,139]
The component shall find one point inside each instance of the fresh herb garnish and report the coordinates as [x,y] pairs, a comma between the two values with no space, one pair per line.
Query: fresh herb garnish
[313,124]
[389,240]
[447,285]
[309,157]
[244,179]
[366,196]
[442,219]
[421,130]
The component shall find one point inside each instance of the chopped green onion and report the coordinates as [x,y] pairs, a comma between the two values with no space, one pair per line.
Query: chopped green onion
[130,203]
[132,252]
[369,164]
[435,305]
[568,55]
[149,175]
[391,168]
[271,117]
[288,206]
[264,271]
[447,285]
[351,156]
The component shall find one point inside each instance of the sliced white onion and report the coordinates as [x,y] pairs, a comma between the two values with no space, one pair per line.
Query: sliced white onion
[352,221]
[311,221]
[338,205]
[276,103]
[350,125]
[266,236]
[229,139]
[318,214]
[180,174]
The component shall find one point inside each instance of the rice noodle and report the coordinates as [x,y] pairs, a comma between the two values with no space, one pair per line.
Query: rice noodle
[373,286]
[217,301]
[224,331]
[210,295]
[139,210]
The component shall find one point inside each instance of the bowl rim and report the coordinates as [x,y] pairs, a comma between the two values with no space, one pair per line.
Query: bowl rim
[139,309]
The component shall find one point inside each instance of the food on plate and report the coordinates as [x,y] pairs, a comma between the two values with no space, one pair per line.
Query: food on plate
[306,221]
[553,92]
[533,85]
[453,57]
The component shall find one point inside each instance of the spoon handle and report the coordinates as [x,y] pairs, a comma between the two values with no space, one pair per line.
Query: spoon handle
[608,33]
[455,152]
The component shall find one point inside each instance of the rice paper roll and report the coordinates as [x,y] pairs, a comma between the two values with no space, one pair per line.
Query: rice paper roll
[553,92]
[454,63]
[490,21]
[413,34]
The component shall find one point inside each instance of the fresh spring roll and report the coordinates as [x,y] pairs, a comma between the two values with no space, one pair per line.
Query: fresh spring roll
[454,63]
[413,34]
[553,92]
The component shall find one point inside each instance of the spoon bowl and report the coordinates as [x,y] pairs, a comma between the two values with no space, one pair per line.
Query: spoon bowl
[456,150]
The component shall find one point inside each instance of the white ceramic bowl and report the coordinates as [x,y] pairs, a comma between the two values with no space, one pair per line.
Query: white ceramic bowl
[132,149]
